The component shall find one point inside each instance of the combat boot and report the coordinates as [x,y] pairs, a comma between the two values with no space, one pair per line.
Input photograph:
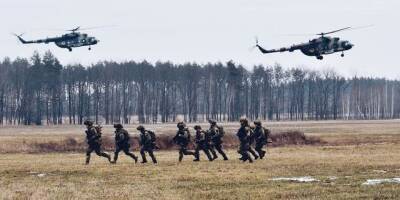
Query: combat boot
[262,154]
[87,160]
[180,156]
[154,159]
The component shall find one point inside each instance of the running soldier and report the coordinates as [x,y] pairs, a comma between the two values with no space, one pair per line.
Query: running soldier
[93,137]
[261,136]
[147,141]
[243,135]
[201,144]
[182,139]
[122,143]
[216,133]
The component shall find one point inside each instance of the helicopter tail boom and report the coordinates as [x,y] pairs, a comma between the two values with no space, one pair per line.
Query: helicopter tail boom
[265,51]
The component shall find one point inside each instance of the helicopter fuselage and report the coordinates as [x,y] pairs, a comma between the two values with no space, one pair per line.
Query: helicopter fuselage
[67,41]
[316,47]
[324,45]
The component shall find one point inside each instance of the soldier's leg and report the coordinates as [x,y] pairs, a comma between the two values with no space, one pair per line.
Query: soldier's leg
[207,152]
[259,149]
[212,150]
[187,152]
[151,154]
[248,157]
[88,152]
[220,151]
[143,154]
[181,154]
[197,153]
[251,150]
[126,151]
[241,152]
[117,150]
[99,152]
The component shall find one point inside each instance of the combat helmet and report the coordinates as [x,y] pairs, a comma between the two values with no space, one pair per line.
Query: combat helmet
[197,127]
[257,122]
[181,124]
[88,123]
[140,128]
[243,120]
[212,122]
[118,126]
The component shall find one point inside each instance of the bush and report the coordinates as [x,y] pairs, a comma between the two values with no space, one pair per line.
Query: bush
[164,142]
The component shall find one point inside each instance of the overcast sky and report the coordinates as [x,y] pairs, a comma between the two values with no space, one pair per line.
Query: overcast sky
[210,31]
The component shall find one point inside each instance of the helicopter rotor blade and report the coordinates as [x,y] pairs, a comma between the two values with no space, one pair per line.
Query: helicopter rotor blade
[74,29]
[330,32]
[97,27]
[346,28]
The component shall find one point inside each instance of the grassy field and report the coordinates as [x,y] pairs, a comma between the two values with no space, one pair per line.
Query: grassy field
[356,151]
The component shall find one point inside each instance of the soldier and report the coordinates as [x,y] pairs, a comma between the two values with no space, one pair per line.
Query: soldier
[201,144]
[122,143]
[147,141]
[182,138]
[243,135]
[216,133]
[93,137]
[261,136]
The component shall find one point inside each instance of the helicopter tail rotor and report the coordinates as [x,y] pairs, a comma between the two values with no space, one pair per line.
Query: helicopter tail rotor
[20,37]
[256,45]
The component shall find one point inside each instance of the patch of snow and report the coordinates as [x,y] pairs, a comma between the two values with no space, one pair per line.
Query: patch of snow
[41,175]
[303,179]
[379,171]
[379,181]
[332,178]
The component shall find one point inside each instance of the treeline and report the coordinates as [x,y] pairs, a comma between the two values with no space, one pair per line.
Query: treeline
[40,90]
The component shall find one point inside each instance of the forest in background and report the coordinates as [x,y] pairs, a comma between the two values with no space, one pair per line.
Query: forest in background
[39,91]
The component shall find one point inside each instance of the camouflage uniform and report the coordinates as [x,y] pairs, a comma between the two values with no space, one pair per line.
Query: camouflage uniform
[147,143]
[182,139]
[251,141]
[261,135]
[243,135]
[201,144]
[93,137]
[216,133]
[122,143]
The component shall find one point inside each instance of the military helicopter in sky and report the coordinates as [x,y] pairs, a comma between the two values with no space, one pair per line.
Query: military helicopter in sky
[317,47]
[70,40]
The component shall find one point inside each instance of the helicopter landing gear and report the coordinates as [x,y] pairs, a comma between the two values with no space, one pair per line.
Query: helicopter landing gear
[320,57]
[342,54]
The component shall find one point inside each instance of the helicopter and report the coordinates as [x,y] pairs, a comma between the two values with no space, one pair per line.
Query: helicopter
[317,47]
[68,41]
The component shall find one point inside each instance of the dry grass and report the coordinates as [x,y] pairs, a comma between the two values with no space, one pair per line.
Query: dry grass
[67,178]
[356,151]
